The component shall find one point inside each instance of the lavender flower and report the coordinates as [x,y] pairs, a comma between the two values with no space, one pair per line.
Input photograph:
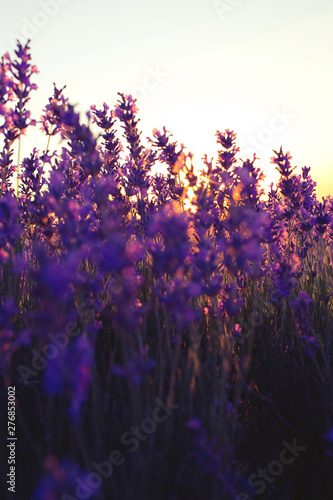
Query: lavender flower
[169,242]
[112,146]
[302,308]
[22,71]
[82,144]
[284,278]
[169,153]
[322,217]
[70,374]
[226,157]
[51,118]
[231,303]
[10,226]
[242,248]
[289,184]
[307,189]
[62,479]
[125,111]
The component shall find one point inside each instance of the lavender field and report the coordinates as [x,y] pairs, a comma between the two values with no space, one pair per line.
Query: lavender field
[164,334]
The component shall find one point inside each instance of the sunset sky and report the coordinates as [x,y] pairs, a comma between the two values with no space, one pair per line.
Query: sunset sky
[262,68]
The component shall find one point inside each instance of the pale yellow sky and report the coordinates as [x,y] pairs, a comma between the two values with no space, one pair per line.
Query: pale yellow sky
[261,68]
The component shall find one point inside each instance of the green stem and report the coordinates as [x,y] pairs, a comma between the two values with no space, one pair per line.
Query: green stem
[41,174]
[18,166]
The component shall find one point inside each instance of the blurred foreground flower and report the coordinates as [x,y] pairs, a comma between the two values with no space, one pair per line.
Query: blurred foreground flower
[63,480]
[69,374]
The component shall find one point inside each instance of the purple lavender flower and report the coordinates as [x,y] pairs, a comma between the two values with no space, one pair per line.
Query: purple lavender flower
[15,85]
[227,156]
[125,111]
[169,243]
[175,295]
[329,435]
[306,220]
[242,248]
[283,163]
[248,188]
[70,373]
[307,189]
[7,128]
[63,479]
[194,423]
[10,226]
[231,303]
[82,144]
[284,274]
[10,338]
[289,185]
[303,314]
[322,217]
[30,177]
[169,153]
[22,71]
[6,91]
[208,453]
[51,117]
[111,146]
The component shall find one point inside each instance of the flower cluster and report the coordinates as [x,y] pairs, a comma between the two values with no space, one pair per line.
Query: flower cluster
[119,284]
